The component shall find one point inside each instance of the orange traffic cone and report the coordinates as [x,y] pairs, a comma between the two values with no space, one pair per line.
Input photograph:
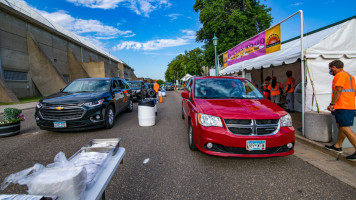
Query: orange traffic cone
[160,98]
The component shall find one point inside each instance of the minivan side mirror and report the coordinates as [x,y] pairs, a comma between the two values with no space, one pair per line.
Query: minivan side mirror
[185,95]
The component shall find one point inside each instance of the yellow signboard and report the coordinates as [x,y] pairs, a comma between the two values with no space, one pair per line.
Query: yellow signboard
[273,39]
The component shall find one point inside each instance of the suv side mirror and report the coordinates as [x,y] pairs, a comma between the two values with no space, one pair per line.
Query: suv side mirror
[185,95]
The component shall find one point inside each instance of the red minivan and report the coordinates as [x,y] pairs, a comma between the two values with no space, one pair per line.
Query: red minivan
[229,116]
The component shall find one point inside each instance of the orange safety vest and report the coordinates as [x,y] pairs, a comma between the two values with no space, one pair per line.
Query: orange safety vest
[291,82]
[347,96]
[156,86]
[276,90]
[265,85]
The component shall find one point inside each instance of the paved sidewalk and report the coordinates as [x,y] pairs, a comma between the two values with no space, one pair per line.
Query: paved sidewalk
[23,106]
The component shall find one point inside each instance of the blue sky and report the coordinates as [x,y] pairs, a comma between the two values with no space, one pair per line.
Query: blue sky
[148,34]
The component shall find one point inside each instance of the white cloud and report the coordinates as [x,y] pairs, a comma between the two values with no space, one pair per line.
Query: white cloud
[174,16]
[81,26]
[140,7]
[296,4]
[189,34]
[157,44]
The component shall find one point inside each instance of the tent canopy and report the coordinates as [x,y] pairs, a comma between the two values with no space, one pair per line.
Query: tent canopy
[336,41]
[314,46]
[186,77]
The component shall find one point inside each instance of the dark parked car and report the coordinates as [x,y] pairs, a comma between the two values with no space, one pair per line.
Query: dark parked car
[228,116]
[84,104]
[138,88]
[169,86]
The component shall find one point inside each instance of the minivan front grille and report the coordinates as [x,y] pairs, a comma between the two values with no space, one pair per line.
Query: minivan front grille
[61,112]
[253,127]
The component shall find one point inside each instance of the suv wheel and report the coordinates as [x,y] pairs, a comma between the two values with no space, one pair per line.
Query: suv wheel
[130,106]
[191,137]
[109,117]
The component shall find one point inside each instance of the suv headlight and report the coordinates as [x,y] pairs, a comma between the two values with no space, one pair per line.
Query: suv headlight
[209,120]
[93,103]
[286,120]
[39,105]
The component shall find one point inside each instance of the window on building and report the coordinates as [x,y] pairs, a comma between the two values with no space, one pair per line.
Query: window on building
[15,76]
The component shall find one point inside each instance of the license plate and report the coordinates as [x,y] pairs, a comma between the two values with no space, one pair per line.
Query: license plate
[255,145]
[60,124]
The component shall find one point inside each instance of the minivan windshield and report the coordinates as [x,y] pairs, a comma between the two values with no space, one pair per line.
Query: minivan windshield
[88,86]
[226,89]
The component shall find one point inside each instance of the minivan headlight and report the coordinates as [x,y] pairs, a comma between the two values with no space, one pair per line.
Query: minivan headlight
[93,103]
[286,120]
[209,120]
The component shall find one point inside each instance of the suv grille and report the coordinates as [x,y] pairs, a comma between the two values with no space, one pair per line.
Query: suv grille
[69,112]
[253,126]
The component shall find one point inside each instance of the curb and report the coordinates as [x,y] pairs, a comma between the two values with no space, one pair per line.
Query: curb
[321,148]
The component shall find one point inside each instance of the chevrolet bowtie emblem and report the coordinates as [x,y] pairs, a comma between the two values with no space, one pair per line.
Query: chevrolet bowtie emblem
[59,108]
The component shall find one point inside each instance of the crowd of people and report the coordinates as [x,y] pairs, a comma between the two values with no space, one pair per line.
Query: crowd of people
[272,90]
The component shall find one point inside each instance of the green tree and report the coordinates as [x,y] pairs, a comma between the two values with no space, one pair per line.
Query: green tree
[194,60]
[159,81]
[233,21]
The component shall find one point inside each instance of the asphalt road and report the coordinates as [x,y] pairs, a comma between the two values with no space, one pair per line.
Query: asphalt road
[172,171]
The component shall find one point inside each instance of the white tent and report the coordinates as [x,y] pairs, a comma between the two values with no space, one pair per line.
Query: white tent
[337,41]
[186,77]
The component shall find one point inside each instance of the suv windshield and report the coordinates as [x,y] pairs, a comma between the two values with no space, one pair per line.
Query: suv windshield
[226,89]
[134,84]
[169,84]
[88,86]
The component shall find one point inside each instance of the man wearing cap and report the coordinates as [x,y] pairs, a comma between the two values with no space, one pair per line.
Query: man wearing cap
[343,104]
[290,85]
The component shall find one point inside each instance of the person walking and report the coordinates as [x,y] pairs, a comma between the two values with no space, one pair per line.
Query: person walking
[275,87]
[265,85]
[343,105]
[290,85]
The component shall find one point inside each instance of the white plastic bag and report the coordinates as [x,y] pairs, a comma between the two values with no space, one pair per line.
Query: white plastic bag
[60,178]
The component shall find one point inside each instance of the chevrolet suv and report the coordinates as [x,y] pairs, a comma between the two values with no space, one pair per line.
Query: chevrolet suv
[84,104]
[228,116]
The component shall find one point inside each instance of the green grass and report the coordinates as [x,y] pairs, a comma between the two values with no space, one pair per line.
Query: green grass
[24,100]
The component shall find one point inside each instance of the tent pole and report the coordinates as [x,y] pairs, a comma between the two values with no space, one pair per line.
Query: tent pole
[302,69]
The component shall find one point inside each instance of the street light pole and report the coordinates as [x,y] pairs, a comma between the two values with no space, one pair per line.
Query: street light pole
[185,72]
[215,43]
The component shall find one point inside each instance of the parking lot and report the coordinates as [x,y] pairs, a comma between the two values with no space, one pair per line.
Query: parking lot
[159,165]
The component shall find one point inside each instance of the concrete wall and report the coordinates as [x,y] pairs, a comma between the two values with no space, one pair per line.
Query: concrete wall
[94,69]
[76,69]
[50,50]
[46,77]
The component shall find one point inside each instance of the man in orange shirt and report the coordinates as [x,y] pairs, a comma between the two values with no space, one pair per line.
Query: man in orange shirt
[343,104]
[156,87]
[290,85]
[275,87]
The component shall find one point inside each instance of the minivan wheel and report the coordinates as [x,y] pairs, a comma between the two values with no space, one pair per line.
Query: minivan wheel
[109,117]
[191,137]
[130,106]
